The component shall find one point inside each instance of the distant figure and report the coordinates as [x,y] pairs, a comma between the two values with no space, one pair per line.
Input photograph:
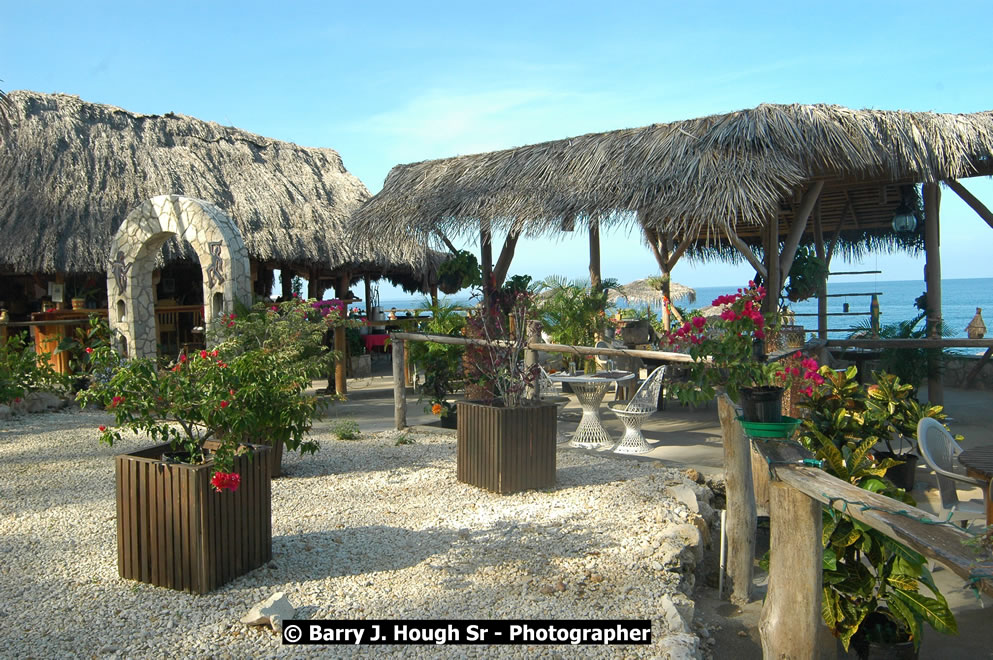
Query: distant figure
[976,328]
[393,314]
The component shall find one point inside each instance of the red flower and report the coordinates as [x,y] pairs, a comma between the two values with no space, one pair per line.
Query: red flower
[102,428]
[226,481]
[116,400]
[182,358]
[729,315]
[230,324]
[231,391]
[89,350]
[809,391]
[203,355]
[224,404]
[177,367]
[699,322]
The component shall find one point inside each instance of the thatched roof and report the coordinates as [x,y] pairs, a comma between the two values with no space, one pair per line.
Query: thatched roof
[647,291]
[734,172]
[71,171]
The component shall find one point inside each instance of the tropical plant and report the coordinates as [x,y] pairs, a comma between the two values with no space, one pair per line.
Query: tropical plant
[807,274]
[872,583]
[250,389]
[81,344]
[571,312]
[345,429]
[441,363]
[728,350]
[23,371]
[497,369]
[894,404]
[459,271]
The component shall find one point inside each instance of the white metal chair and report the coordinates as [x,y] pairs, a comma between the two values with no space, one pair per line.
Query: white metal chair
[939,449]
[634,413]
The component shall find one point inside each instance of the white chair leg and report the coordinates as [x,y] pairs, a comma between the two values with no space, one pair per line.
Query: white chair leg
[632,442]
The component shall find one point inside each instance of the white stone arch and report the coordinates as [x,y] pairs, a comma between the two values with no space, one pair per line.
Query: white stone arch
[130,292]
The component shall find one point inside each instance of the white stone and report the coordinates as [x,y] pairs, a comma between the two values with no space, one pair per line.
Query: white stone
[685,494]
[272,611]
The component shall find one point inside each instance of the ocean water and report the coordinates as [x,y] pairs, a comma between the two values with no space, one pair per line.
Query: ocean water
[959,300]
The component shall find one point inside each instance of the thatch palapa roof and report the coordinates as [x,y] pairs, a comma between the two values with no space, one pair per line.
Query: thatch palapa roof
[71,171]
[735,172]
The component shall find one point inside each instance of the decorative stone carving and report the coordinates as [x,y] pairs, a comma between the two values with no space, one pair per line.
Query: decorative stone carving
[214,237]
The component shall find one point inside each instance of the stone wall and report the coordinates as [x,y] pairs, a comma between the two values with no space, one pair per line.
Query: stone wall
[958,367]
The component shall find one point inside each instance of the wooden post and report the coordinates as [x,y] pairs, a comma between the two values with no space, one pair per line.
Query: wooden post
[932,278]
[286,282]
[531,356]
[594,254]
[399,386]
[486,264]
[740,518]
[822,302]
[367,282]
[773,283]
[790,624]
[340,342]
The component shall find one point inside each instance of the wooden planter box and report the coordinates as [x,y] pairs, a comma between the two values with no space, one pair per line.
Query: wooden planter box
[174,530]
[506,450]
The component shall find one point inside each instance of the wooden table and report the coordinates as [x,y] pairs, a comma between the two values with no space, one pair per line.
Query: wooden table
[590,390]
[979,465]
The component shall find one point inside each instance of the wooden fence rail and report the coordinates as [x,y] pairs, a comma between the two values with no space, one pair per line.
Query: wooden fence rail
[398,339]
[791,616]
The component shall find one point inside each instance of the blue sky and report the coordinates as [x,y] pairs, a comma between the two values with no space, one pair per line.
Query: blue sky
[386,83]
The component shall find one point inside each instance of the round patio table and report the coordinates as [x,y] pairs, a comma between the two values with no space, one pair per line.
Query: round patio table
[978,464]
[590,390]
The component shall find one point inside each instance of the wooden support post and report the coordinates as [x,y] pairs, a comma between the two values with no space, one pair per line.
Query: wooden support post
[799,225]
[790,624]
[531,356]
[286,282]
[367,284]
[594,254]
[746,252]
[663,251]
[822,303]
[773,284]
[486,264]
[741,517]
[932,278]
[340,342]
[399,386]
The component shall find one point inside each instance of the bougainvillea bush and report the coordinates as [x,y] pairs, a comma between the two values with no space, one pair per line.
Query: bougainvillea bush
[724,350]
[248,389]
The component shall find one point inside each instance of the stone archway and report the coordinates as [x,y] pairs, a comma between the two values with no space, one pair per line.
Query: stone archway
[211,233]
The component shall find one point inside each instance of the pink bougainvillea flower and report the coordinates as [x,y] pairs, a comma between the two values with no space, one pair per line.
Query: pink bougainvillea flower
[224,404]
[213,353]
[226,481]
[230,324]
[759,333]
[182,358]
[699,322]
[809,391]
[729,315]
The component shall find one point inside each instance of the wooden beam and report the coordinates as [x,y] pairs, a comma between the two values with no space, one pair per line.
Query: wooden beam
[506,256]
[822,303]
[486,263]
[595,279]
[399,386]
[444,239]
[746,252]
[774,281]
[971,200]
[799,225]
[367,285]
[741,514]
[932,277]
[680,249]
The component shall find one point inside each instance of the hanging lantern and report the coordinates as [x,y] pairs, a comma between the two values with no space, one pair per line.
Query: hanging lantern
[904,219]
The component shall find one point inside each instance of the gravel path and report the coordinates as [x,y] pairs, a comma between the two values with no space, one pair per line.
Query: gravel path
[364,529]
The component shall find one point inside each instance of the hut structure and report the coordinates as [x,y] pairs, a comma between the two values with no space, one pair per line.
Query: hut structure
[71,171]
[755,183]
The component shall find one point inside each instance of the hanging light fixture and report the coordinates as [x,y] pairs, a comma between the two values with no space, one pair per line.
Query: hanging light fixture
[904,219]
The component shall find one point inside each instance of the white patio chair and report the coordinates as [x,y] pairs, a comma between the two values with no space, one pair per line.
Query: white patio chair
[939,449]
[633,414]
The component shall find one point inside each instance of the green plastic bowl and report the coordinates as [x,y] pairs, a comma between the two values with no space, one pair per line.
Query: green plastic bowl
[783,429]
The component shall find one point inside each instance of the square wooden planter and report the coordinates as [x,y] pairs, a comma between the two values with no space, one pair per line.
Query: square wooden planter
[505,450]
[174,530]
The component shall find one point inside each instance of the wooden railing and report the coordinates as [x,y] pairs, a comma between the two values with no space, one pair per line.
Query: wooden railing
[399,339]
[791,616]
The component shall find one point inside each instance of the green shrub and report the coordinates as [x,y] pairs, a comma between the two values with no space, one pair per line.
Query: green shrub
[345,429]
[23,371]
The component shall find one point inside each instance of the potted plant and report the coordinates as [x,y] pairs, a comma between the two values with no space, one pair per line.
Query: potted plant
[872,584]
[459,271]
[728,353]
[216,415]
[440,363]
[505,440]
[80,346]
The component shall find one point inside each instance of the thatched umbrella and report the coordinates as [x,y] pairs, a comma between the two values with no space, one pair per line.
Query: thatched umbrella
[648,290]
[71,171]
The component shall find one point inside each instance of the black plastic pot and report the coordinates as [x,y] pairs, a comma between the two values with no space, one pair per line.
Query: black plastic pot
[762,404]
[903,475]
[450,421]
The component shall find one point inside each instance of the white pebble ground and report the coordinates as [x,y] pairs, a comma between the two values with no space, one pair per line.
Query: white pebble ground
[364,529]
